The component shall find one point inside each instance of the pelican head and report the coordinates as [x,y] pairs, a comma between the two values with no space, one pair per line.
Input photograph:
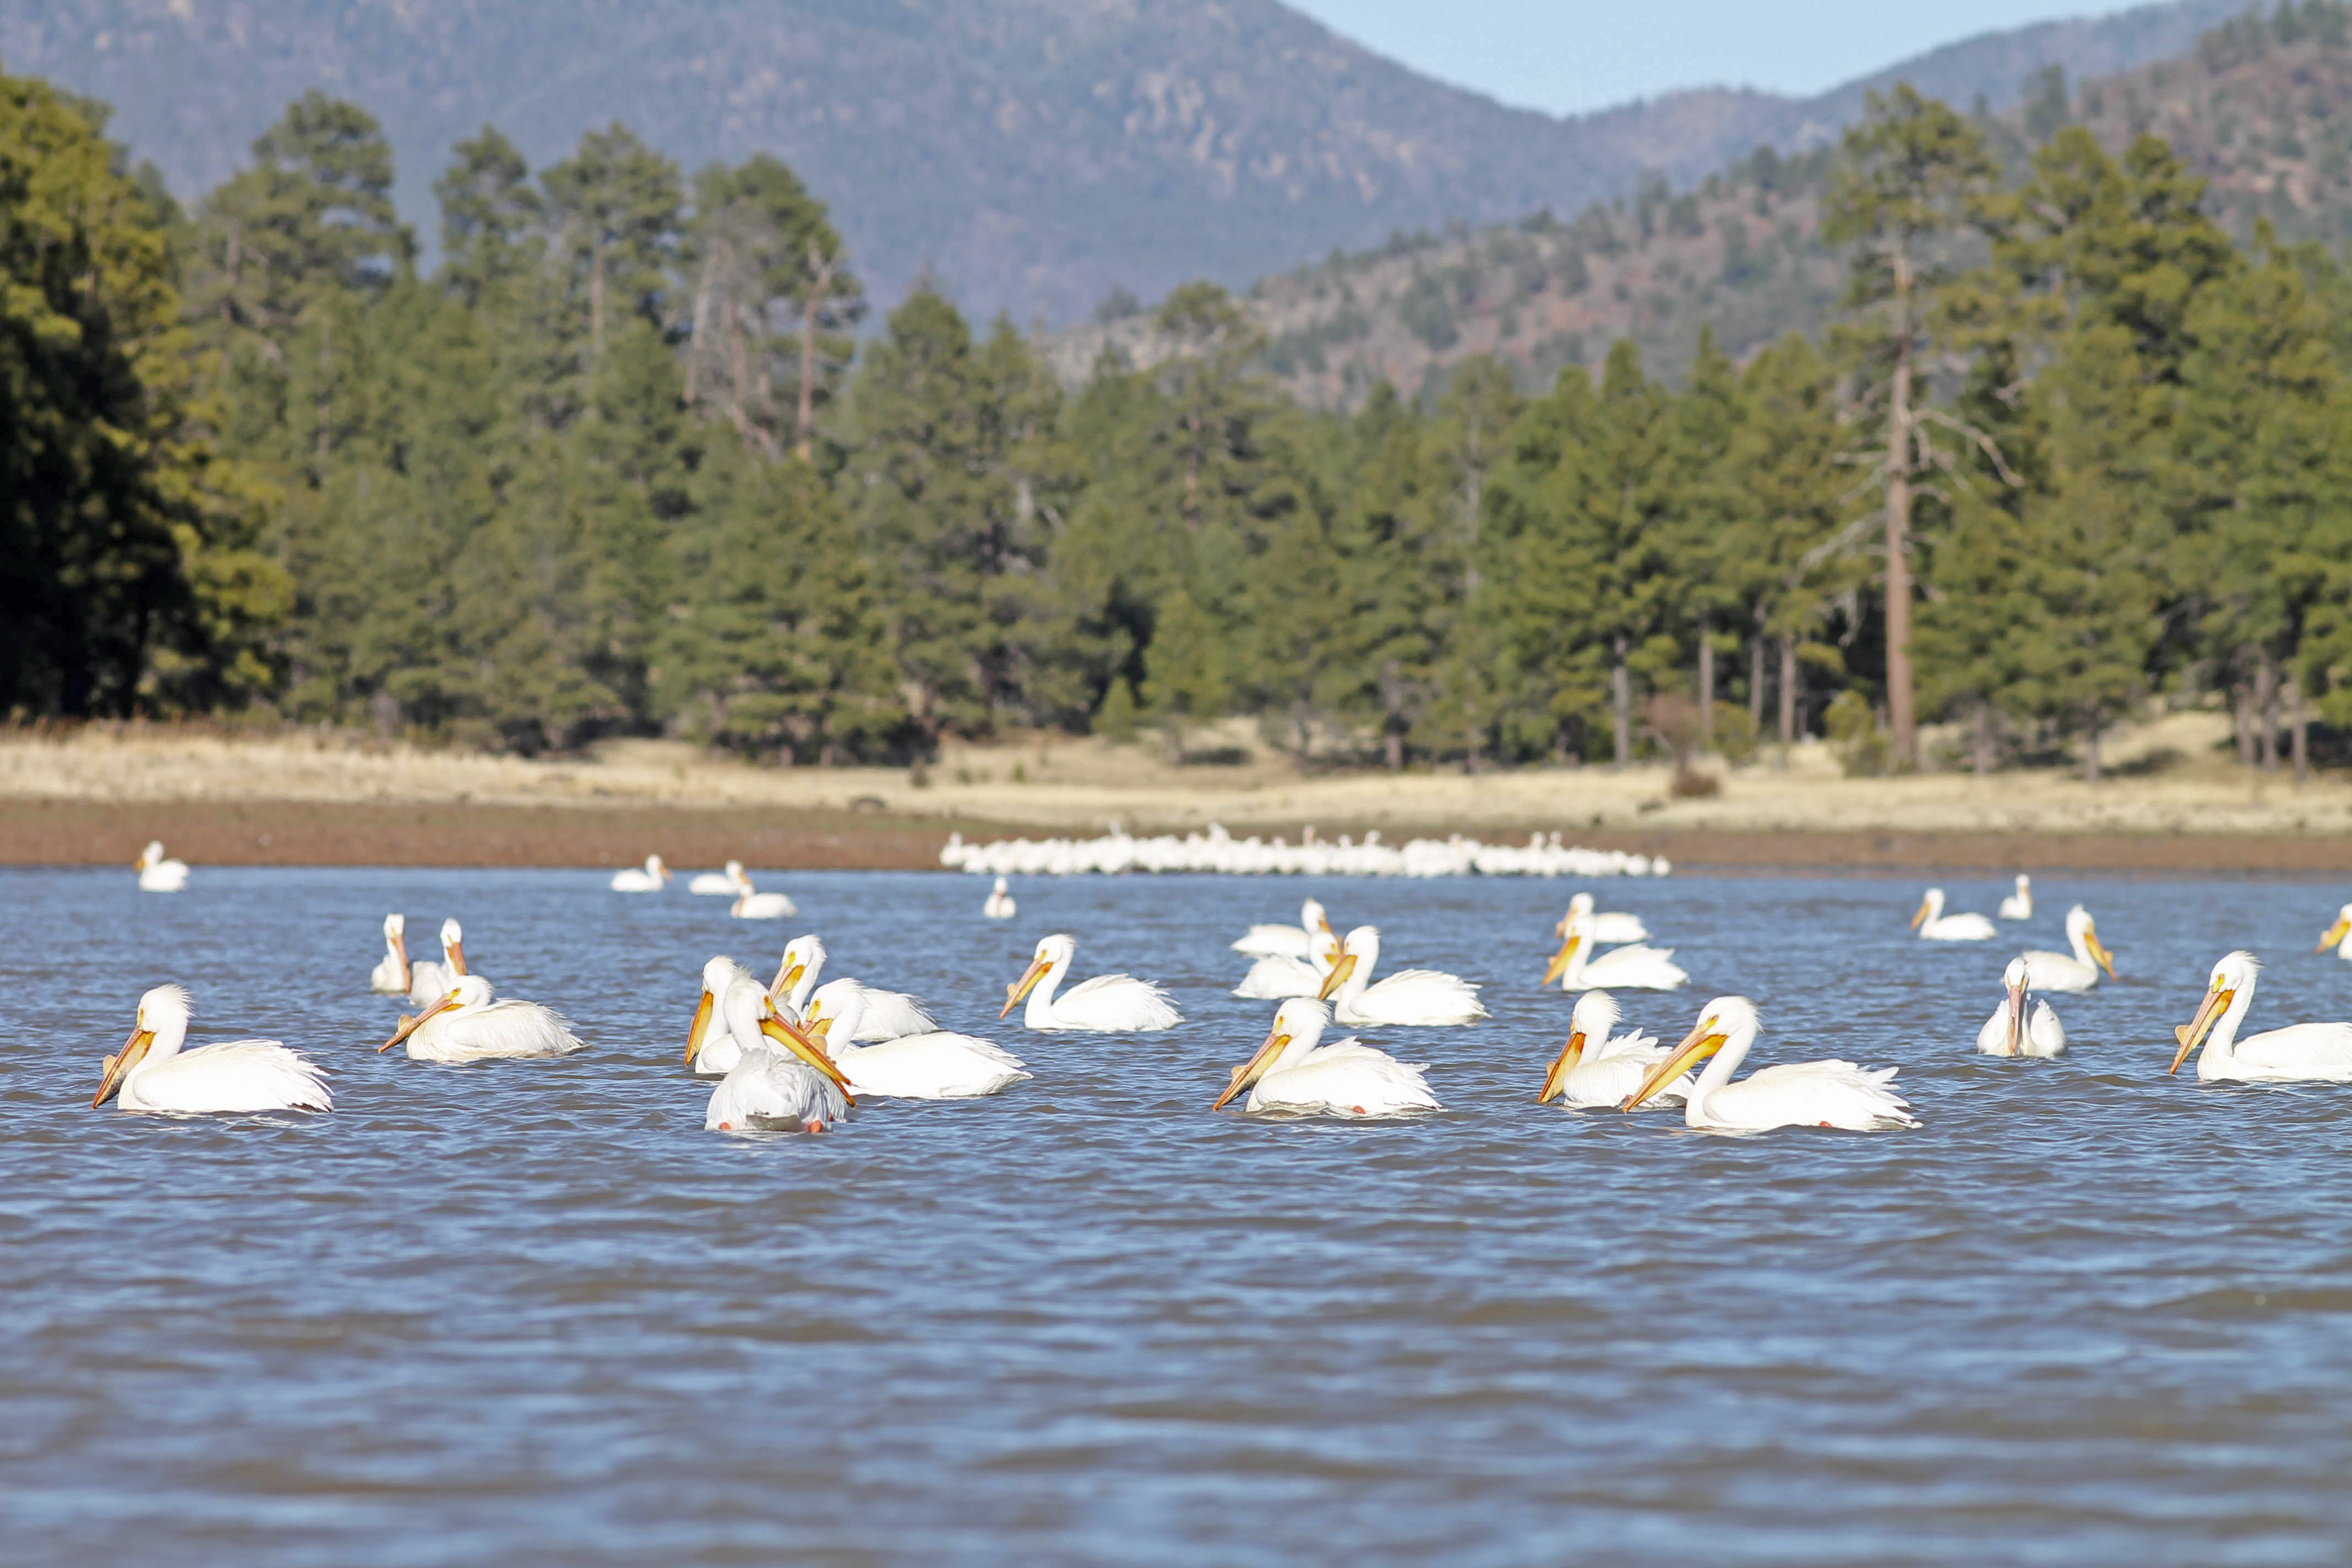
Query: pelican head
[734,870]
[780,1029]
[162,1019]
[1596,1013]
[395,927]
[1579,904]
[2080,929]
[453,944]
[1575,931]
[804,956]
[1051,951]
[2235,973]
[1299,1022]
[717,974]
[1361,950]
[1311,916]
[150,855]
[1931,907]
[2336,932]
[655,869]
[1726,1021]
[470,991]
[2013,980]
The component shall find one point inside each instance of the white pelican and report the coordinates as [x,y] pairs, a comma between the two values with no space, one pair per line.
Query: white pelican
[1294,1071]
[1000,905]
[1800,1094]
[2018,905]
[883,1014]
[157,874]
[1620,969]
[1593,1069]
[389,974]
[2009,1032]
[793,1089]
[1106,1005]
[1934,925]
[1288,941]
[429,982]
[2298,1052]
[710,1047]
[1409,996]
[648,880]
[719,884]
[1273,978]
[2080,972]
[153,1073]
[1609,929]
[2339,935]
[465,1026]
[751,904]
[935,1065]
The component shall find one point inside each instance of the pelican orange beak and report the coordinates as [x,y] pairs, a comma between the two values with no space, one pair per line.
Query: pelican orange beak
[400,951]
[2335,934]
[117,1065]
[1020,988]
[792,1040]
[1921,916]
[1697,1046]
[1337,978]
[1569,1055]
[2016,1018]
[787,978]
[1562,960]
[2099,949]
[2218,998]
[410,1026]
[702,1010]
[1250,1071]
[457,958]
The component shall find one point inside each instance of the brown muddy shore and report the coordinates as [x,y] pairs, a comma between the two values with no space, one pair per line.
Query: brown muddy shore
[329,833]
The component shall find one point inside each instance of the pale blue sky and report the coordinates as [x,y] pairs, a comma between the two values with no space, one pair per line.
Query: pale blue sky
[1566,56]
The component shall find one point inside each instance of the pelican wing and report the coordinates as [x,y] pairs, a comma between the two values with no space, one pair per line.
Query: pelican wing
[1809,1094]
[1345,1079]
[1958,928]
[428,982]
[1612,929]
[237,1075]
[1279,978]
[1276,941]
[2321,1051]
[1605,1081]
[500,1031]
[2060,972]
[1631,1040]
[766,1093]
[1634,969]
[935,1065]
[2044,1035]
[1114,1002]
[892,1014]
[386,979]
[1412,996]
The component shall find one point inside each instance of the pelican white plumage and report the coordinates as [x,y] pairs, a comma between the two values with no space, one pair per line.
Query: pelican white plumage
[710,1047]
[1274,977]
[1610,929]
[1106,1005]
[2075,972]
[150,1072]
[2011,1032]
[390,975]
[938,1064]
[751,904]
[156,874]
[2339,935]
[1288,941]
[1409,996]
[1934,925]
[1295,1071]
[467,1025]
[787,1087]
[1000,905]
[429,982]
[2018,905]
[719,884]
[882,1015]
[1578,968]
[645,879]
[1594,1070]
[1797,1094]
[2298,1053]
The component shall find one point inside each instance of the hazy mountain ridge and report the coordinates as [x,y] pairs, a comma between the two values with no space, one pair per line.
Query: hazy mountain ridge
[1033,154]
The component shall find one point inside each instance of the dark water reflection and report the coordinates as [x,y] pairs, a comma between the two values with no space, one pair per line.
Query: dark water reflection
[530,1313]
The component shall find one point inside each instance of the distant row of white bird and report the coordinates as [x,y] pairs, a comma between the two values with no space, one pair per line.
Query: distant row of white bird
[1218,851]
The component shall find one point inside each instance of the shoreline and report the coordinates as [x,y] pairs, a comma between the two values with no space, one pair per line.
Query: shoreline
[260,832]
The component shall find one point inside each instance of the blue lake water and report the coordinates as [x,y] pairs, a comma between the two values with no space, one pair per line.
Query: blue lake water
[531,1312]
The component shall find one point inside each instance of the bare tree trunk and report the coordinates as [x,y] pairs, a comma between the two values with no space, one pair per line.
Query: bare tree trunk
[2301,720]
[2266,709]
[2242,718]
[1756,684]
[1391,709]
[1898,529]
[2091,750]
[1984,738]
[1621,685]
[1705,691]
[694,341]
[805,415]
[1788,697]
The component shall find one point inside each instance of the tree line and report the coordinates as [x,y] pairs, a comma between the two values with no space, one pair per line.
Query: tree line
[631,459]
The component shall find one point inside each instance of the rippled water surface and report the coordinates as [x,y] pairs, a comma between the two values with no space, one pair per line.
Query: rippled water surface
[531,1312]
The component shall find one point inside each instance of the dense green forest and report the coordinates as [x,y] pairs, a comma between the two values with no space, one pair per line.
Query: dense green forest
[632,461]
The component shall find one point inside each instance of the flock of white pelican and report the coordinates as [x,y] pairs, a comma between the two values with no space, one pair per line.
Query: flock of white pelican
[797,1053]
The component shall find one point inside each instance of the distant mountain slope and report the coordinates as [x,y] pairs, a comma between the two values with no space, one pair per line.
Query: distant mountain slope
[2262,110]
[1032,153]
